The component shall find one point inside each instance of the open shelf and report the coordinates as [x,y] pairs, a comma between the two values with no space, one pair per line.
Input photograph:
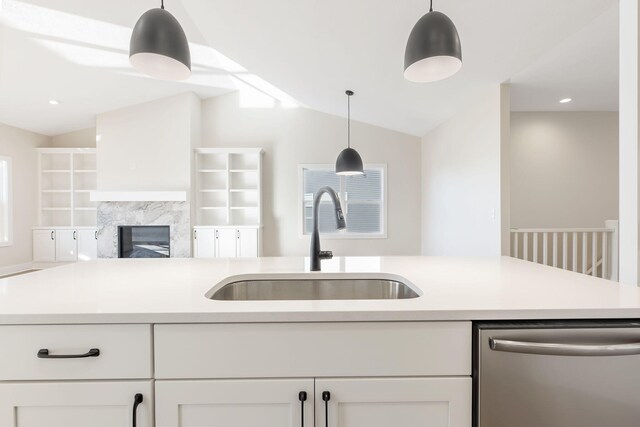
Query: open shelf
[228,186]
[56,171]
[212,171]
[67,175]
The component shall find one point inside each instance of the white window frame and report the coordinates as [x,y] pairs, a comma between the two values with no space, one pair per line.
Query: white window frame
[8,214]
[342,234]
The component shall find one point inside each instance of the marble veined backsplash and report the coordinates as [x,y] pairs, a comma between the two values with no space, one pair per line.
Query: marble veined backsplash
[174,214]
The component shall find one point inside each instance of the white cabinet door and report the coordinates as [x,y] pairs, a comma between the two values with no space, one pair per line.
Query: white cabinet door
[204,243]
[234,403]
[247,242]
[75,404]
[398,402]
[226,243]
[87,244]
[66,245]
[44,245]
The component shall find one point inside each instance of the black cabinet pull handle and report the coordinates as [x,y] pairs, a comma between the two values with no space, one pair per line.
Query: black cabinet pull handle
[75,234]
[96,235]
[43,353]
[137,400]
[326,396]
[302,396]
[52,234]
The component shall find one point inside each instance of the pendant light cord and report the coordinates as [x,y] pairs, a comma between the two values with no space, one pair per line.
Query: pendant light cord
[348,120]
[161,4]
[430,5]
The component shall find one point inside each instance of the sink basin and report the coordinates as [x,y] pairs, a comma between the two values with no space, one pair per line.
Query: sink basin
[312,287]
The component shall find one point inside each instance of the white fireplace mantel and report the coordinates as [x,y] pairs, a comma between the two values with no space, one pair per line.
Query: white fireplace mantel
[138,196]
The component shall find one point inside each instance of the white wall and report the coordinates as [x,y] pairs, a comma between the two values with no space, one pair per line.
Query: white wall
[147,146]
[463,181]
[564,169]
[21,146]
[83,138]
[298,135]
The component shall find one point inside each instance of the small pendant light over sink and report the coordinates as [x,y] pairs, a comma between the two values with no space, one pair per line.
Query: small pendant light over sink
[349,161]
[159,46]
[433,51]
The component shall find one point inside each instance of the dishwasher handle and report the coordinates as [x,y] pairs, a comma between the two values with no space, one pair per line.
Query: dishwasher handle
[554,349]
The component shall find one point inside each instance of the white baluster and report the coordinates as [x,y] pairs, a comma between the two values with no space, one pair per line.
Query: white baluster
[555,249]
[564,250]
[584,253]
[545,247]
[594,254]
[574,258]
[535,246]
[525,247]
[515,245]
[605,255]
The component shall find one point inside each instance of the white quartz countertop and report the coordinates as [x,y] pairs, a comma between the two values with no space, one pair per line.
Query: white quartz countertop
[173,291]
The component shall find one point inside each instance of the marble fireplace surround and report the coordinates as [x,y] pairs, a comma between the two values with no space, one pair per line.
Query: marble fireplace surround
[174,214]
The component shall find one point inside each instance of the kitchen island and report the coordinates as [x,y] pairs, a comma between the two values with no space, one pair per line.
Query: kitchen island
[173,291]
[136,342]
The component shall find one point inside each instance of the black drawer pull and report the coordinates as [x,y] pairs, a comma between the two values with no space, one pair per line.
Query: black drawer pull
[302,396]
[137,400]
[43,353]
[326,396]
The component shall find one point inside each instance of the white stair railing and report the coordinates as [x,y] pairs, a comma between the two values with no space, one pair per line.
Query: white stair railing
[592,251]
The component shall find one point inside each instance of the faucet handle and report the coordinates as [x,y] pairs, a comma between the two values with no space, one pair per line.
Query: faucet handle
[325,254]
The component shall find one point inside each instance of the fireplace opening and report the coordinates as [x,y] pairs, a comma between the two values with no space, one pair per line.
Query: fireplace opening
[143,241]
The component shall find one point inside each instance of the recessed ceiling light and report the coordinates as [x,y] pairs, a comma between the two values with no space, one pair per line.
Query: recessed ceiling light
[54,102]
[565,100]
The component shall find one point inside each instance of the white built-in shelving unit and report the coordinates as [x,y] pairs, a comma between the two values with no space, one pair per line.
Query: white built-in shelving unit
[66,176]
[66,230]
[228,186]
[228,194]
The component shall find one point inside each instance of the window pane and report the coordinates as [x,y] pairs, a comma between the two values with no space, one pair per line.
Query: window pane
[365,187]
[316,179]
[364,218]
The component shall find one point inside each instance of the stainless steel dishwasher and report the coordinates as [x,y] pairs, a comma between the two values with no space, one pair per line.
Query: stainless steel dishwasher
[557,374]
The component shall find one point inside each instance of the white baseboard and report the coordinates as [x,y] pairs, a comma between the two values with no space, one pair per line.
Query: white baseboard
[13,269]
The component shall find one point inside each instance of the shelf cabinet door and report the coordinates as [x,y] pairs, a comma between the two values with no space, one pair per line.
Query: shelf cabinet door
[398,402]
[204,243]
[44,245]
[247,242]
[87,244]
[66,245]
[233,403]
[75,404]
[226,243]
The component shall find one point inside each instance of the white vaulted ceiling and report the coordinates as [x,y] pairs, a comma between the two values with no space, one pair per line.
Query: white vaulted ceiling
[583,67]
[292,52]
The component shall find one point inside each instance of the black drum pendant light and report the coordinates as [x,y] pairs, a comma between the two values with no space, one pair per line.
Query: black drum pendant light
[349,161]
[159,46]
[433,51]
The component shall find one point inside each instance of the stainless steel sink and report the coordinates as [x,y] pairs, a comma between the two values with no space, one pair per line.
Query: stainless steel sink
[315,287]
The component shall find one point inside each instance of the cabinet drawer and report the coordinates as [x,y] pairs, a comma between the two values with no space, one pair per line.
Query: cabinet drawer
[312,349]
[124,352]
